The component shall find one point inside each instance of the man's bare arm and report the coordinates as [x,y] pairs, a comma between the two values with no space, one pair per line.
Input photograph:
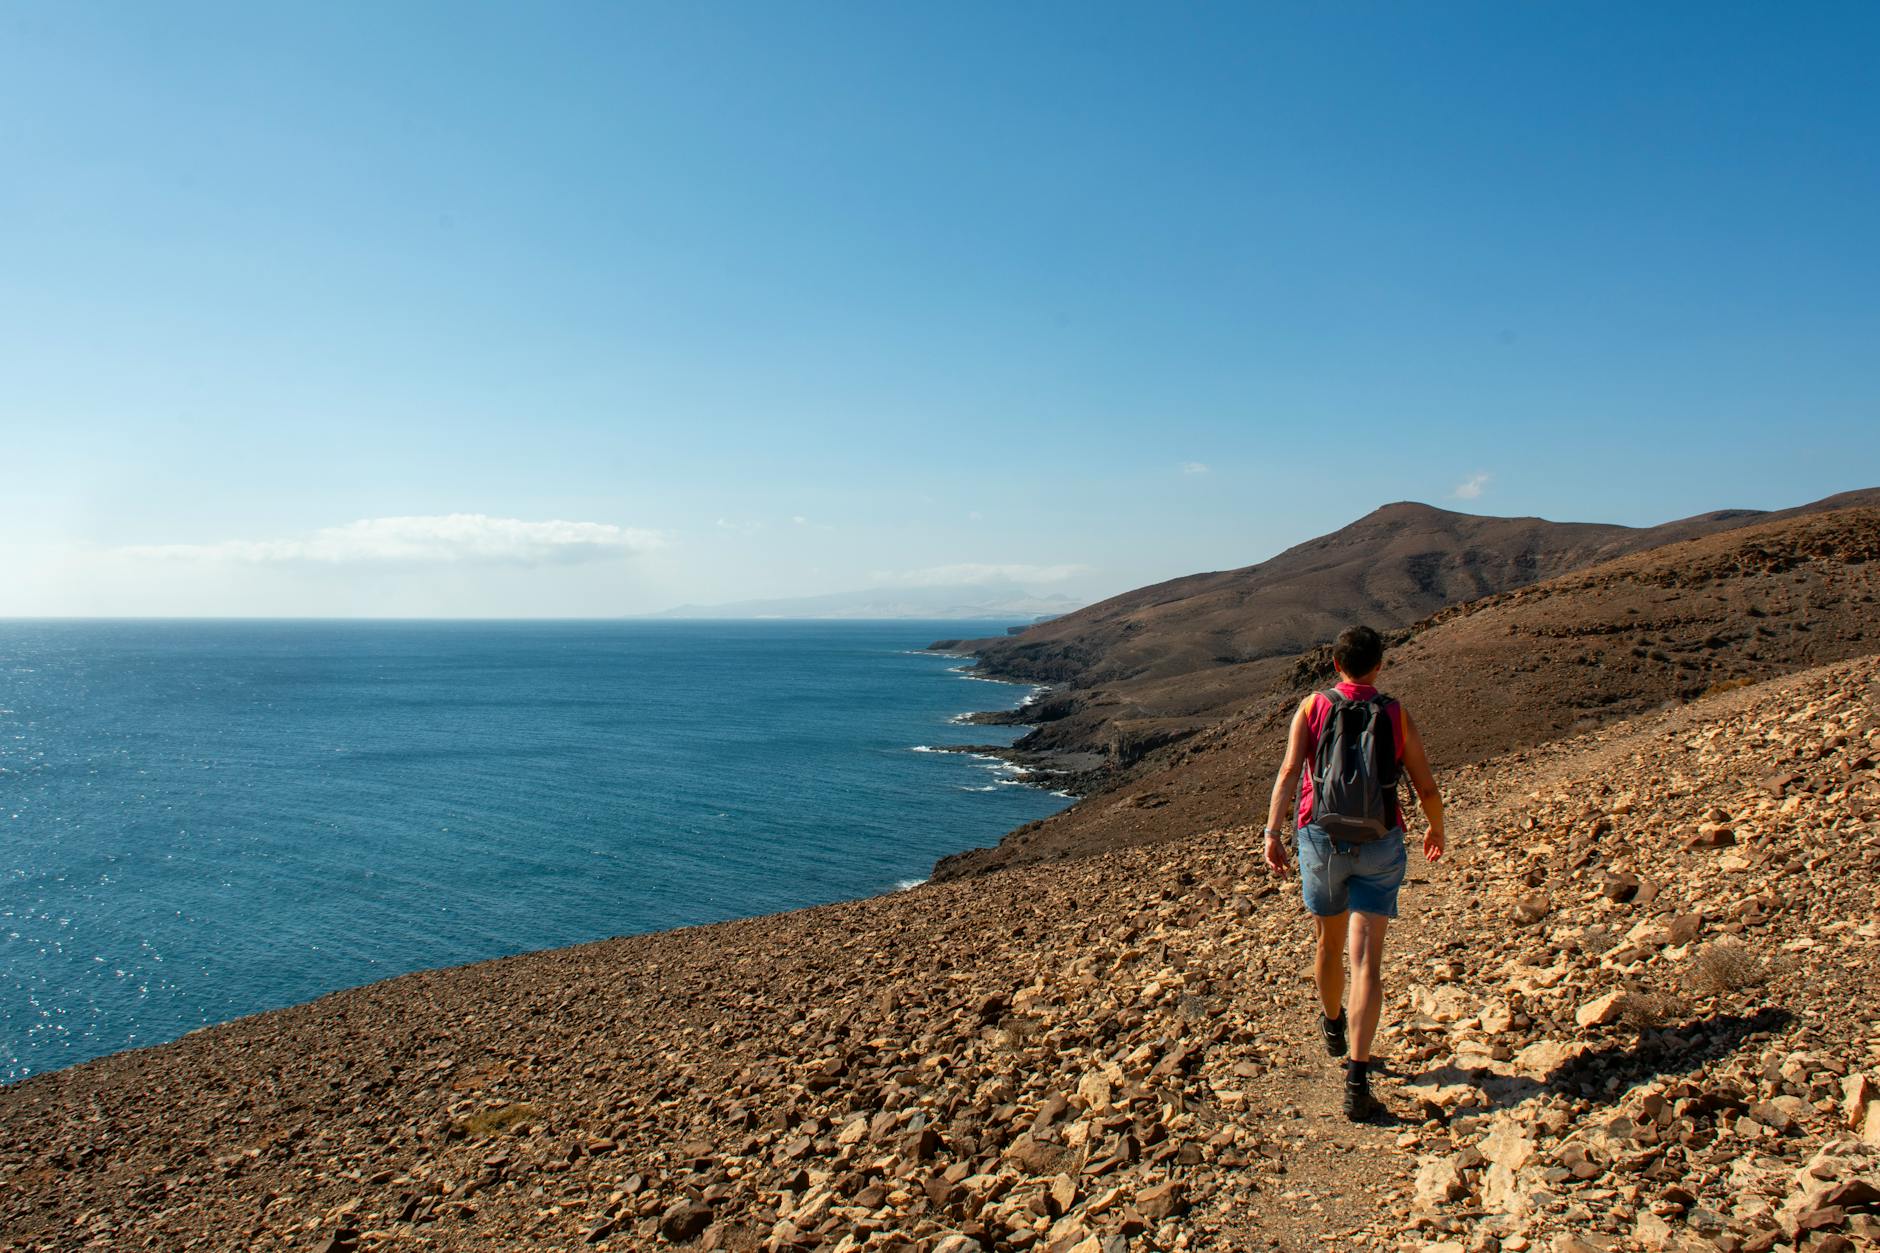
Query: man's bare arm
[1285,787]
[1417,763]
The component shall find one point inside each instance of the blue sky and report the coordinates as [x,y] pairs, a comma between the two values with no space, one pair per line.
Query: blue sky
[586,309]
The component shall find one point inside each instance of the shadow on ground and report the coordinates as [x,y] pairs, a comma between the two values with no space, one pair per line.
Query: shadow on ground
[1603,1075]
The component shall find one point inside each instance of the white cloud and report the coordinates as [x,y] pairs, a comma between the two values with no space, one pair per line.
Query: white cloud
[799,519]
[976,572]
[742,528]
[1195,467]
[469,538]
[1471,487]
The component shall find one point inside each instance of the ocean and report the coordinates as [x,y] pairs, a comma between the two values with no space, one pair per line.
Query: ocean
[201,820]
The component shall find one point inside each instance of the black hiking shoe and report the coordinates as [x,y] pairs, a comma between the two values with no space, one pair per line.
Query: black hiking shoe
[1334,1031]
[1358,1103]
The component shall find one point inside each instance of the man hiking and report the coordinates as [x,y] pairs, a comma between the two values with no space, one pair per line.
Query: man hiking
[1347,749]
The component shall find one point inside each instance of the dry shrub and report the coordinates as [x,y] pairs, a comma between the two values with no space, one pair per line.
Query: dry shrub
[1726,685]
[1596,940]
[1654,1008]
[497,1120]
[1727,965]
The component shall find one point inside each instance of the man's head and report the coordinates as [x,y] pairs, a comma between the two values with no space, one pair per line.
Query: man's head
[1358,652]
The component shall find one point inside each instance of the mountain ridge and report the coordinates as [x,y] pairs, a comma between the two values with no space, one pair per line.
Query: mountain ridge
[1117,744]
[1394,583]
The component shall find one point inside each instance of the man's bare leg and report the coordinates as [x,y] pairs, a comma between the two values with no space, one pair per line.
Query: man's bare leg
[1367,980]
[1329,969]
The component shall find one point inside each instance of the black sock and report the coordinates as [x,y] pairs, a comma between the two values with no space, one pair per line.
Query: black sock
[1357,1072]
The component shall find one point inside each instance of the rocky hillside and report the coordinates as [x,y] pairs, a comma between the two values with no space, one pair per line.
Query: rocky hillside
[1630,1013]
[1515,669]
[1156,665]
[1649,1020]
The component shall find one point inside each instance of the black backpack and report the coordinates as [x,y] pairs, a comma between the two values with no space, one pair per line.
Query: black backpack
[1354,772]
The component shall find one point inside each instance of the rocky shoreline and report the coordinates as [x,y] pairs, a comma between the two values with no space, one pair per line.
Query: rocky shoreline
[1080,764]
[1058,771]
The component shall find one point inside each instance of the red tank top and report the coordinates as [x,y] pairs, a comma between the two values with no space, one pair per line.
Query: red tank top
[1315,725]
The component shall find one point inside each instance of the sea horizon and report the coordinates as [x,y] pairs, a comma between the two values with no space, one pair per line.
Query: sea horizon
[207,818]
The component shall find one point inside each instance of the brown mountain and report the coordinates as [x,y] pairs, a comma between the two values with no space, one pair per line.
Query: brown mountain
[1392,567]
[1504,672]
[1158,663]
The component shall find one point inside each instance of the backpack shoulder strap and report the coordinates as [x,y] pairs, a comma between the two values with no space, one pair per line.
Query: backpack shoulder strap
[1388,766]
[1328,729]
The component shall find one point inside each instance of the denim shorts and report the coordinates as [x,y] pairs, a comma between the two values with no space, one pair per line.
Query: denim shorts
[1336,876]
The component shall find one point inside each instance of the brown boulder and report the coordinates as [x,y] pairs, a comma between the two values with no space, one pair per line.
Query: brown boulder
[683,1220]
[1160,1201]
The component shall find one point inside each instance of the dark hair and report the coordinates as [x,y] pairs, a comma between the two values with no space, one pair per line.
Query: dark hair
[1358,651]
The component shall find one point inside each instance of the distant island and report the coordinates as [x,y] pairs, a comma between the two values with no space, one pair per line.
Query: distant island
[958,600]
